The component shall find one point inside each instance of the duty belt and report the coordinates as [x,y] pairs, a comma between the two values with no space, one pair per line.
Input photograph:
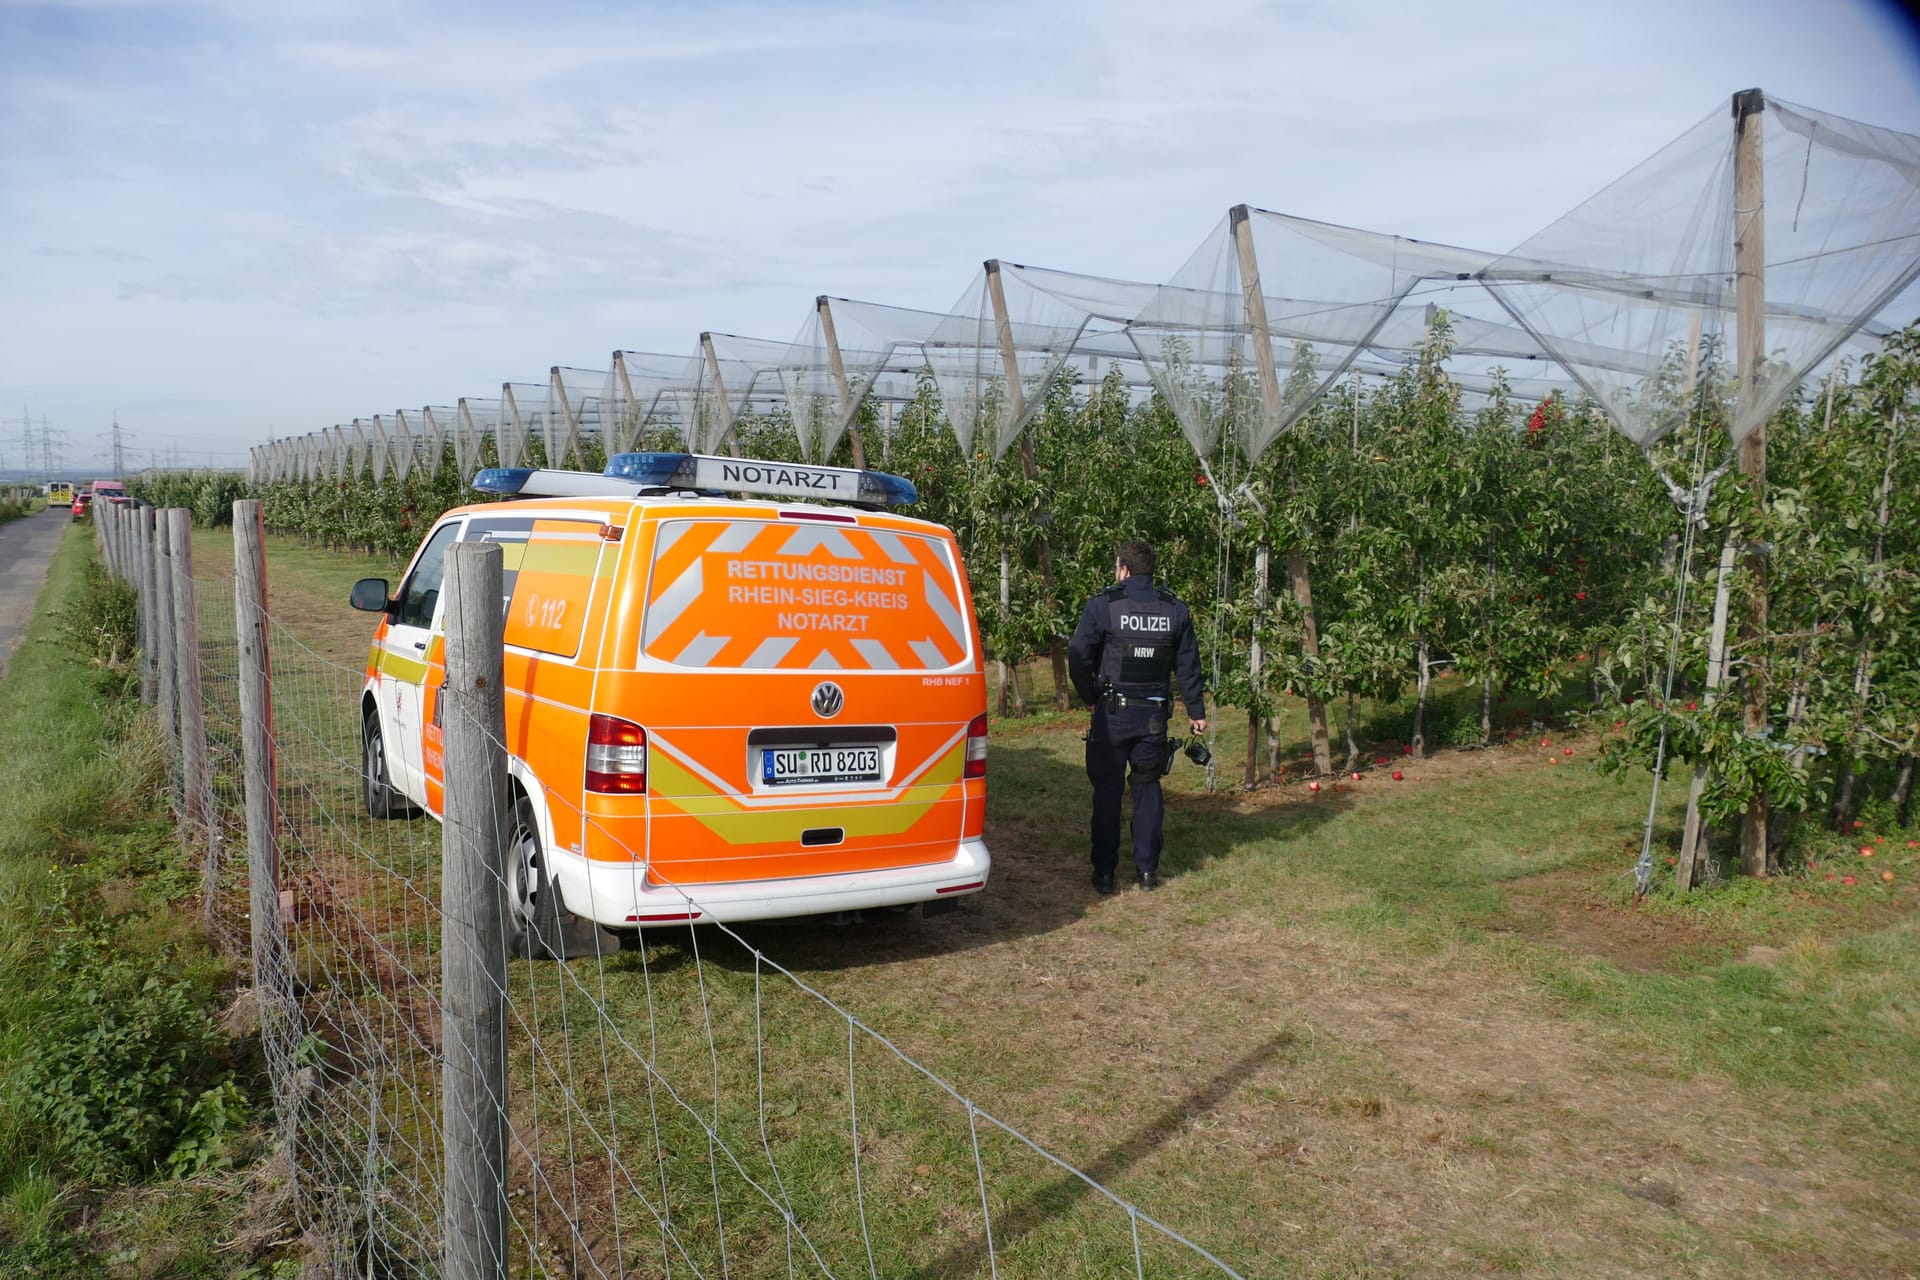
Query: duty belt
[1118,700]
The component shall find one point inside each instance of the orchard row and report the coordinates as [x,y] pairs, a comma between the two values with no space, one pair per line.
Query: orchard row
[1395,534]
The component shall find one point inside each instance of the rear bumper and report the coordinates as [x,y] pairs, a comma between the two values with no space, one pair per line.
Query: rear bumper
[622,897]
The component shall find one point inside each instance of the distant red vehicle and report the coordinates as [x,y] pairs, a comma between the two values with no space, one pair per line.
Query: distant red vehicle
[82,504]
[111,490]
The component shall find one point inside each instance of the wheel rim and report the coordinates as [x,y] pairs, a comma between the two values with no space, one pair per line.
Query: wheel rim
[374,767]
[523,872]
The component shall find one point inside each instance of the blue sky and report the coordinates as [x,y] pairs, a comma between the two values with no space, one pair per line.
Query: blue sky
[234,219]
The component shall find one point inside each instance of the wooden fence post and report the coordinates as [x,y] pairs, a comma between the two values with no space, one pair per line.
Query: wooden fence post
[168,684]
[108,532]
[272,976]
[196,778]
[143,580]
[473,954]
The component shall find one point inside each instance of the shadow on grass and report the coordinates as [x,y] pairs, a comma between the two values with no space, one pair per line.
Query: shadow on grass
[1037,829]
[1046,1204]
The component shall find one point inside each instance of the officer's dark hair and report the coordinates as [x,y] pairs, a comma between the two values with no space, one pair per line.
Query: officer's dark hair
[1137,557]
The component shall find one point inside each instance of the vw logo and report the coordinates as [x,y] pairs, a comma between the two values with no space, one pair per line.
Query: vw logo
[827,699]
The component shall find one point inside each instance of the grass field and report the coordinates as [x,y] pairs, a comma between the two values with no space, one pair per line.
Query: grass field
[1412,1027]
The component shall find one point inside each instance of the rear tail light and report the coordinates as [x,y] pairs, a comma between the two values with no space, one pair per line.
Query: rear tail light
[616,756]
[977,748]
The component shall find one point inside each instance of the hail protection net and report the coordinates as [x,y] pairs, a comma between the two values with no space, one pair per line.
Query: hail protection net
[1635,292]
[1081,317]
[524,418]
[890,342]
[745,378]
[650,394]
[1267,314]
[578,397]
[1016,339]
[476,421]
[436,432]
[829,376]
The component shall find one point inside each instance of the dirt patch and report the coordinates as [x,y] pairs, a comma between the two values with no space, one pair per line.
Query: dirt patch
[1577,911]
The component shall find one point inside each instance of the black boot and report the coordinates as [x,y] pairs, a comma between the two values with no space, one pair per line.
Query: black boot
[1103,882]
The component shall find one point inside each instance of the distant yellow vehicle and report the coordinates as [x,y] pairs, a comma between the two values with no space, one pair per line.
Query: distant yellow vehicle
[60,494]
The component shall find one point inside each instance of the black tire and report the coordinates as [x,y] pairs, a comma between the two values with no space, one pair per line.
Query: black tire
[538,924]
[376,789]
[533,903]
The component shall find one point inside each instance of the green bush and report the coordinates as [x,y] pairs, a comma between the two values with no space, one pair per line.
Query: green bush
[126,1064]
[101,625]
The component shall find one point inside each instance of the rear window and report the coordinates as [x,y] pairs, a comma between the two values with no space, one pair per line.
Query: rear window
[549,568]
[802,596]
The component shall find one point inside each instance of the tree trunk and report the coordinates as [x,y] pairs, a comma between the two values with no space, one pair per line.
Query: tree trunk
[1254,668]
[1310,641]
[1693,835]
[1424,683]
[1486,710]
[1353,748]
[1903,789]
[1843,795]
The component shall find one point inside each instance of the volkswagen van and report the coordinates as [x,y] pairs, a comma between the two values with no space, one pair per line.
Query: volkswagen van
[723,703]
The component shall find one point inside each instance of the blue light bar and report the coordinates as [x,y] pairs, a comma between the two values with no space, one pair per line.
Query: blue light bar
[507,480]
[703,473]
[654,470]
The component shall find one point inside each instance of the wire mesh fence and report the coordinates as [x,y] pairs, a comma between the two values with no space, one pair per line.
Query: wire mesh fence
[682,1106]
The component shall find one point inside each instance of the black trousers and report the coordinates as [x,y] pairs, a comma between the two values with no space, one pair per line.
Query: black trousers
[1115,744]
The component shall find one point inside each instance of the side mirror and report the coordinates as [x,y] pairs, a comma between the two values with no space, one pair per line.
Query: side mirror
[370,595]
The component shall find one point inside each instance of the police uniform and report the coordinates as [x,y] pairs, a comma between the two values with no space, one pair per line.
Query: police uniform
[1131,638]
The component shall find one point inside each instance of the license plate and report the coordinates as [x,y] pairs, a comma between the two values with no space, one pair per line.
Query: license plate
[800,766]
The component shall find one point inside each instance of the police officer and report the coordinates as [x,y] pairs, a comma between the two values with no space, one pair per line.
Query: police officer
[1130,640]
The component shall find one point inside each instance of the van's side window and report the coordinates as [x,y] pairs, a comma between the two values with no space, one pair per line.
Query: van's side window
[422,589]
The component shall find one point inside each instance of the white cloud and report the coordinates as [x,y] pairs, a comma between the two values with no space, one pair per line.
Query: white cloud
[300,213]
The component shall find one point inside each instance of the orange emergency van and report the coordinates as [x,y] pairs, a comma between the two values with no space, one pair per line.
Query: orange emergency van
[719,708]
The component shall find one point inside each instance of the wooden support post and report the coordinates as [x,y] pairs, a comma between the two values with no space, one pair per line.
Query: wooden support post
[169,674]
[510,409]
[1750,300]
[272,978]
[1691,837]
[1310,642]
[831,341]
[731,439]
[196,779]
[629,416]
[117,540]
[572,446]
[473,949]
[1254,302]
[143,583]
[1017,406]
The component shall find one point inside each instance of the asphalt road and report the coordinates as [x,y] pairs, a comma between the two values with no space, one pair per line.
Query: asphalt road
[26,548]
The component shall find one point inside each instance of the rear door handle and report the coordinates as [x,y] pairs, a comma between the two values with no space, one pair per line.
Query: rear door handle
[420,644]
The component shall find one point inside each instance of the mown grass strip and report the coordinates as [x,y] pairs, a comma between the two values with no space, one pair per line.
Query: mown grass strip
[123,1119]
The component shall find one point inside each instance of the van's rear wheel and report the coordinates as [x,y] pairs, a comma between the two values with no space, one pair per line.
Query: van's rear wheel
[376,788]
[538,922]
[532,903]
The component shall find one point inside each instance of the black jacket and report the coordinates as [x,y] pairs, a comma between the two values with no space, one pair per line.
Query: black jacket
[1137,636]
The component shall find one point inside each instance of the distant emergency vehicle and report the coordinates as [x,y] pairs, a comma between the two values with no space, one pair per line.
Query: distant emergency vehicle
[60,494]
[718,709]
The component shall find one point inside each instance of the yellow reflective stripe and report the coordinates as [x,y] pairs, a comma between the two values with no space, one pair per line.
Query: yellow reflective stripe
[411,670]
[674,785]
